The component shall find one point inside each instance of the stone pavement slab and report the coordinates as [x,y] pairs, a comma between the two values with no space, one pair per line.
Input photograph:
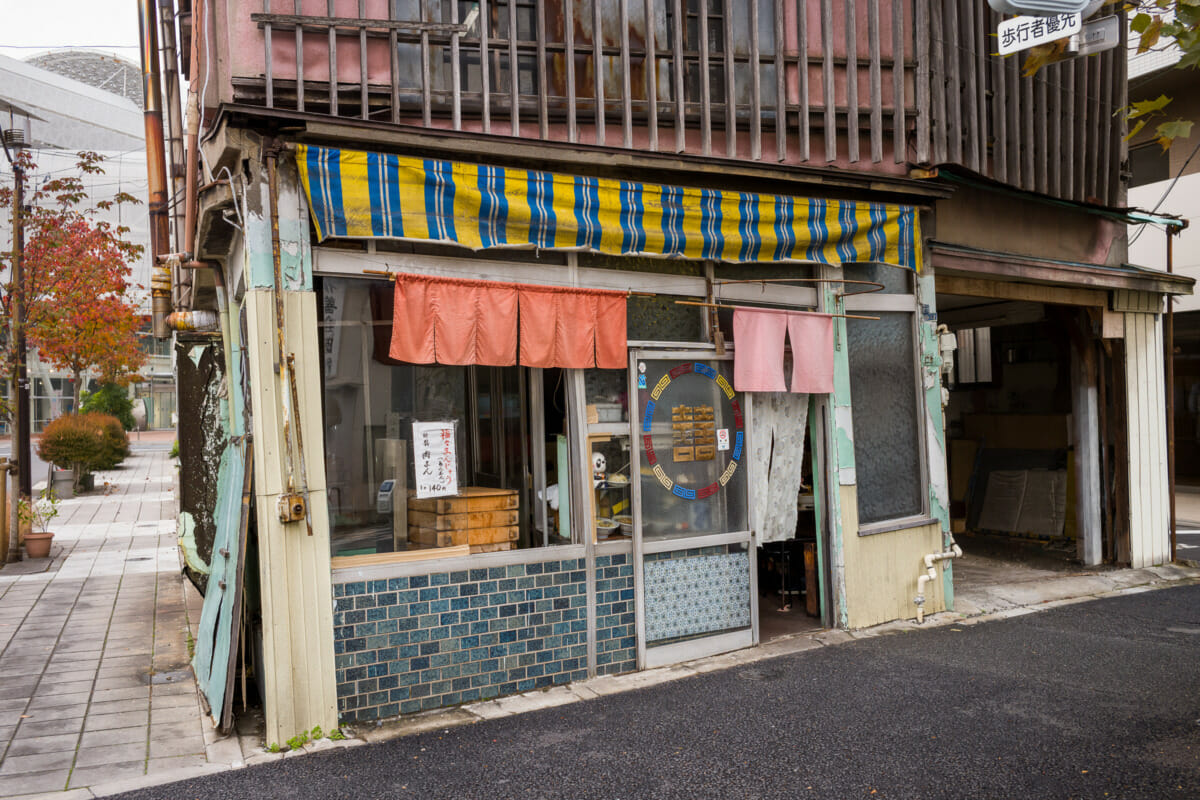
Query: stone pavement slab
[83,631]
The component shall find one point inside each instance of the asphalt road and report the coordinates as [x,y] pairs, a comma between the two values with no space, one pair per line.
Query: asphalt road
[1095,700]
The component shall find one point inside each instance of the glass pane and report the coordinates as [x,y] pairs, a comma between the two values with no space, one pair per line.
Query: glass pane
[895,280]
[887,421]
[371,402]
[692,447]
[607,396]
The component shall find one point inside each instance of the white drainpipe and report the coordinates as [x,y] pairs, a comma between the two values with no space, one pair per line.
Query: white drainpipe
[930,574]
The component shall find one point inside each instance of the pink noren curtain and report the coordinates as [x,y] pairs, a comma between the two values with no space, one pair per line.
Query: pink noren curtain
[758,336]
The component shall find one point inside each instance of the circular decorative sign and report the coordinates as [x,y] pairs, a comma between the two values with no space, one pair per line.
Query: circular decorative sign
[648,418]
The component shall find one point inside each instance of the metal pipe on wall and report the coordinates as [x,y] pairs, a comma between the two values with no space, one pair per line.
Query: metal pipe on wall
[1169,357]
[156,170]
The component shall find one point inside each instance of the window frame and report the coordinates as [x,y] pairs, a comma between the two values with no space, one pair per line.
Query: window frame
[905,303]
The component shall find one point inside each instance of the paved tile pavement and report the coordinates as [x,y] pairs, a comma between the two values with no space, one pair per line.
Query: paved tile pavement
[94,678]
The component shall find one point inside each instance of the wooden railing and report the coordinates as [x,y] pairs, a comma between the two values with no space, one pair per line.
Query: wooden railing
[799,81]
[857,84]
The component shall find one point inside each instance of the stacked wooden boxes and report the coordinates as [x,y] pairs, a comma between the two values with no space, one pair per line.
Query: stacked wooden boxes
[486,519]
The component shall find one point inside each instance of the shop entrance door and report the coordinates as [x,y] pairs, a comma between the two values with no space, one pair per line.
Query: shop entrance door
[694,568]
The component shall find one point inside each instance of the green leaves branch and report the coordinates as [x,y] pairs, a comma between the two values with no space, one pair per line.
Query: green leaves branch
[1160,23]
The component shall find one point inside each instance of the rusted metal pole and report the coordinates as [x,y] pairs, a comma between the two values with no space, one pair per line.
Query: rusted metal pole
[156,170]
[272,156]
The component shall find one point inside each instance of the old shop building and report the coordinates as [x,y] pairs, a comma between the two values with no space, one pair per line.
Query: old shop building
[535,380]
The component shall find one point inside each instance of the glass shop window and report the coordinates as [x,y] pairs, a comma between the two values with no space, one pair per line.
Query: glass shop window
[973,357]
[887,417]
[500,434]
[607,393]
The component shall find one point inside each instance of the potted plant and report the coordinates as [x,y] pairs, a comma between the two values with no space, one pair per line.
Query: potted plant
[38,514]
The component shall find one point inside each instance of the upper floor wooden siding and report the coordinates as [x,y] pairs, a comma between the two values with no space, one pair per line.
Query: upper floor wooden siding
[870,85]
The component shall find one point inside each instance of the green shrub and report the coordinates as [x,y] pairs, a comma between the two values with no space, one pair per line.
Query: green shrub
[110,398]
[84,443]
[114,442]
[70,442]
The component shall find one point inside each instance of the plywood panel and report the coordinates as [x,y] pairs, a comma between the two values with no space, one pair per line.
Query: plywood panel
[1146,429]
[881,570]
[294,567]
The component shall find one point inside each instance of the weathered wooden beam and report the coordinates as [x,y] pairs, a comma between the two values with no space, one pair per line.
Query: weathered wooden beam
[899,125]
[827,80]
[973,88]
[805,119]
[598,69]
[938,79]
[651,74]
[921,46]
[852,133]
[954,115]
[780,86]
[875,79]
[755,86]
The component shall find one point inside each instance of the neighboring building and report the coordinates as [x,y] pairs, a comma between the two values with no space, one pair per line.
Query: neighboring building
[483,244]
[1169,181]
[64,116]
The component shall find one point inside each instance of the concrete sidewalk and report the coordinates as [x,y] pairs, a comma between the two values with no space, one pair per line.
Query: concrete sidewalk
[94,679]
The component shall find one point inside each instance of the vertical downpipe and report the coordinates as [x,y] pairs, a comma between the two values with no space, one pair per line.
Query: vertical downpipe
[1169,343]
[156,170]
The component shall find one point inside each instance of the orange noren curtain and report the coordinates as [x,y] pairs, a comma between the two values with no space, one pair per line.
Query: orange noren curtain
[455,321]
[451,321]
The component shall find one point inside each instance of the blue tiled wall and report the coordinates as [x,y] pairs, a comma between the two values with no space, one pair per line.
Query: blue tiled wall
[409,644]
[616,634]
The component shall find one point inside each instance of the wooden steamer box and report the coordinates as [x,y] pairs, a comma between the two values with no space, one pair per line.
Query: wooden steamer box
[486,519]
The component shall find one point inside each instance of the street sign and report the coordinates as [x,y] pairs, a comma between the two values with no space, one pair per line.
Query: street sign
[1097,36]
[1021,33]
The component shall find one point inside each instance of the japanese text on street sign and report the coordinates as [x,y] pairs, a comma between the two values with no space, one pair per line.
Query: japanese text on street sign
[1020,33]
[436,459]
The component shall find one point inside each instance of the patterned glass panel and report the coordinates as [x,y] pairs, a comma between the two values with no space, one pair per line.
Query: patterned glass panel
[689,595]
[883,388]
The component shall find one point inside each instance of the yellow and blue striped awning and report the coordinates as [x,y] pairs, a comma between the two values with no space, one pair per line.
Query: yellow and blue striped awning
[358,194]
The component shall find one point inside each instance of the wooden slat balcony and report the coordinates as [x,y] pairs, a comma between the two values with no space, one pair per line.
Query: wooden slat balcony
[637,74]
[870,85]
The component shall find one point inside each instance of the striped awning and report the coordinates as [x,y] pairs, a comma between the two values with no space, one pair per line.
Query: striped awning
[356,194]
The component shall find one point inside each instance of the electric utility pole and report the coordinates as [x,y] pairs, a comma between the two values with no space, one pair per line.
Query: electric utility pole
[20,449]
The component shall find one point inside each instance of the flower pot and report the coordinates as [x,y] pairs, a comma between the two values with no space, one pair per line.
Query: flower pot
[37,544]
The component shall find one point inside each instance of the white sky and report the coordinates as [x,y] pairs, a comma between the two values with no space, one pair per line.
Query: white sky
[35,26]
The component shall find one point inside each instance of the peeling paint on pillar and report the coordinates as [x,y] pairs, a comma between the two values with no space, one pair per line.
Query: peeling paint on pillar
[840,455]
[935,431]
[295,249]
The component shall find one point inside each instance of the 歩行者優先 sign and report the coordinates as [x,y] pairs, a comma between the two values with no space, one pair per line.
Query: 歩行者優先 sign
[1021,33]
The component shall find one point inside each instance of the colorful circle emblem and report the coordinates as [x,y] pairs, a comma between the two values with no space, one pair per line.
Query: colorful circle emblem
[648,443]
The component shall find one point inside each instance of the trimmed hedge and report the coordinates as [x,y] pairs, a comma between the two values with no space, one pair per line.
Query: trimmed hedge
[84,443]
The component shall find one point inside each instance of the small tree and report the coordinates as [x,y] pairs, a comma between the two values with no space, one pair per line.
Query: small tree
[76,276]
[110,398]
[98,333]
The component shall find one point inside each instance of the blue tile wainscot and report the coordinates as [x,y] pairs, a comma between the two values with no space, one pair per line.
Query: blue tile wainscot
[616,631]
[411,644]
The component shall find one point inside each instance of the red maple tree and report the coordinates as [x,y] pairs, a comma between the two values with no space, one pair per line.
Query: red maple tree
[78,309]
